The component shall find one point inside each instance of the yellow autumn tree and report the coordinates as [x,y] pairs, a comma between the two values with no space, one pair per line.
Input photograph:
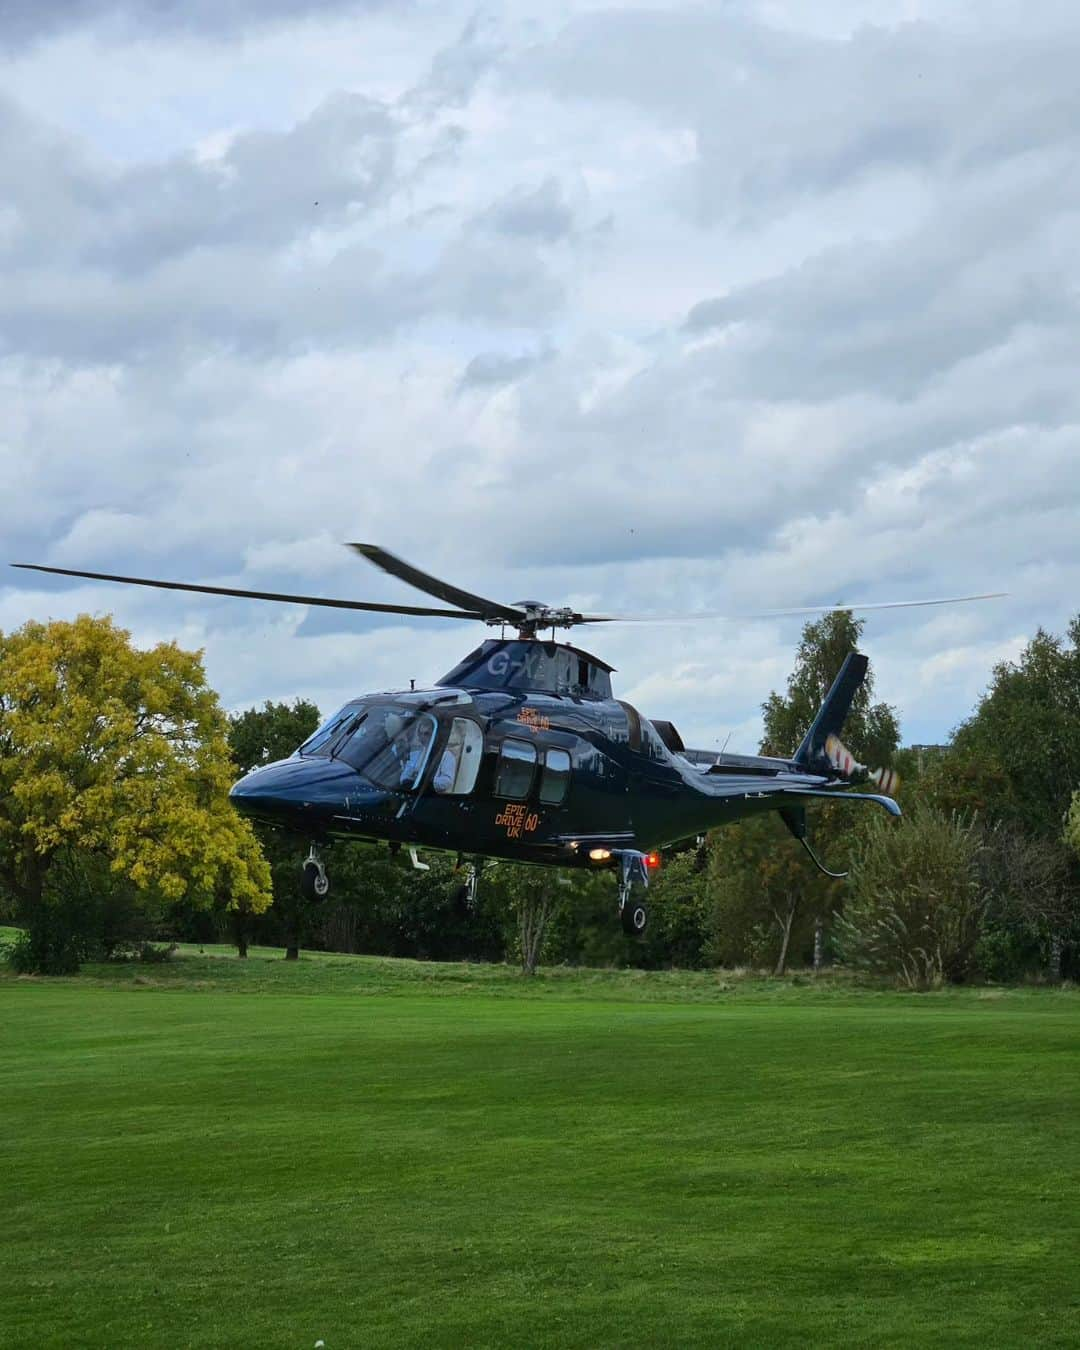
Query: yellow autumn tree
[121,753]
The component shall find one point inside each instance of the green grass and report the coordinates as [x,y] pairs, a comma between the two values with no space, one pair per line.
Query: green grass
[381,1153]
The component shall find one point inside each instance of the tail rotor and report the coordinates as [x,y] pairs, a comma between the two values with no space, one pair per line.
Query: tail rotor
[847,766]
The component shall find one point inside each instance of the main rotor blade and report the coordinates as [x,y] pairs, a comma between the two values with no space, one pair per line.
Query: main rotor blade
[879,604]
[854,605]
[442,590]
[367,605]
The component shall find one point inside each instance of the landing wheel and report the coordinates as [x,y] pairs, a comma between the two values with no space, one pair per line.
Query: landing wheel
[314,883]
[635,917]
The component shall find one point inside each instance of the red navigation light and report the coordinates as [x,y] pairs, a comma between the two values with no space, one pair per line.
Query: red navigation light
[652,860]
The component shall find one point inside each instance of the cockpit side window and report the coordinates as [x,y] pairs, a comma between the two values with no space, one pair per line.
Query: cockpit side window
[459,763]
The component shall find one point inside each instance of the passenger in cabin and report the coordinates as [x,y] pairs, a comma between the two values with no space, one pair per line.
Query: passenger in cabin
[445,774]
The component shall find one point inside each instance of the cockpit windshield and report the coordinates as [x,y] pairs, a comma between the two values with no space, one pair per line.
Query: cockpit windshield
[321,741]
[389,745]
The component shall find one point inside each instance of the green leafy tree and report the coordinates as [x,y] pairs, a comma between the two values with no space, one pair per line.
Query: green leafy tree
[679,914]
[1033,905]
[262,735]
[534,897]
[122,754]
[256,737]
[1072,824]
[1027,725]
[767,899]
[1015,765]
[918,899]
[765,895]
[871,731]
[969,781]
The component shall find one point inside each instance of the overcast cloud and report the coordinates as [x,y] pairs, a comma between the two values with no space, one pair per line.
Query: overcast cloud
[655,309]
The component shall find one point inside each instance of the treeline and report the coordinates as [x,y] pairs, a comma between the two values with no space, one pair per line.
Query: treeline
[980,881]
[116,838]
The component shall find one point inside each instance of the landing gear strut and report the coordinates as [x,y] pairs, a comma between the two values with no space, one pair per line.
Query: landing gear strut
[314,883]
[633,911]
[465,895]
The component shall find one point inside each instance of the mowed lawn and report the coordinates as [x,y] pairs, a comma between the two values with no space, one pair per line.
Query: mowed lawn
[458,1165]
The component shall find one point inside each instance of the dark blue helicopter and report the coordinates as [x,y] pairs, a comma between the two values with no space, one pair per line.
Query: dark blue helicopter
[521,752]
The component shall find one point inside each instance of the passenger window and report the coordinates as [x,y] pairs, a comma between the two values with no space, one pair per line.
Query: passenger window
[459,763]
[514,776]
[556,777]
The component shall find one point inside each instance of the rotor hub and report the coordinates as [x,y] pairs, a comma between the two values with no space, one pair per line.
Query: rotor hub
[536,616]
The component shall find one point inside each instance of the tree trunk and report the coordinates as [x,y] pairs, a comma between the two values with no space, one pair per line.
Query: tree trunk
[785,921]
[819,943]
[292,953]
[238,922]
[532,925]
[29,892]
[53,949]
[1057,953]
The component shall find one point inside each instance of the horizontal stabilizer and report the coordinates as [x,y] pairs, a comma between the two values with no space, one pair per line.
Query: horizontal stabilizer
[831,795]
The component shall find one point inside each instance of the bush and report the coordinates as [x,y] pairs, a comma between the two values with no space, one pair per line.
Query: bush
[155,956]
[46,949]
[918,903]
[1005,955]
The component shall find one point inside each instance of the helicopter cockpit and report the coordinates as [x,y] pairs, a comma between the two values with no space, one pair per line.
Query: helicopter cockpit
[390,742]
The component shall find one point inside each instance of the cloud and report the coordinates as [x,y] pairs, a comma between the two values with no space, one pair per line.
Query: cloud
[23,21]
[538,213]
[640,311]
[780,114]
[489,370]
[266,246]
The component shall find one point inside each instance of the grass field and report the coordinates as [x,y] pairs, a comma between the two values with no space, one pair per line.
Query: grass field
[374,1153]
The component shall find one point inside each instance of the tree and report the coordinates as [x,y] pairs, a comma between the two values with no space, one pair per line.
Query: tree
[1072,824]
[257,737]
[918,899]
[1033,903]
[261,735]
[679,909]
[1028,723]
[766,895]
[969,781]
[119,753]
[535,897]
[871,731]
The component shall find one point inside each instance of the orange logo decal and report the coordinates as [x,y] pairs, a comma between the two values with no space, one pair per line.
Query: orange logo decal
[529,717]
[517,819]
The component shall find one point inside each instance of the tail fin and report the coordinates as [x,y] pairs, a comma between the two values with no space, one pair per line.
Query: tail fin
[833,711]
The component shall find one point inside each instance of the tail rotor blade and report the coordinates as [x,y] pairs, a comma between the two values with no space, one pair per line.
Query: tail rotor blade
[847,766]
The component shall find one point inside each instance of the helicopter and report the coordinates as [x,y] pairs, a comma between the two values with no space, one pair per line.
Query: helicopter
[521,752]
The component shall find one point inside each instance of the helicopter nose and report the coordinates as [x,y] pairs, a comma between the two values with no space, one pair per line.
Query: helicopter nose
[297,792]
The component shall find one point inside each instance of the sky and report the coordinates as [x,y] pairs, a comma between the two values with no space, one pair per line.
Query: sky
[661,308]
